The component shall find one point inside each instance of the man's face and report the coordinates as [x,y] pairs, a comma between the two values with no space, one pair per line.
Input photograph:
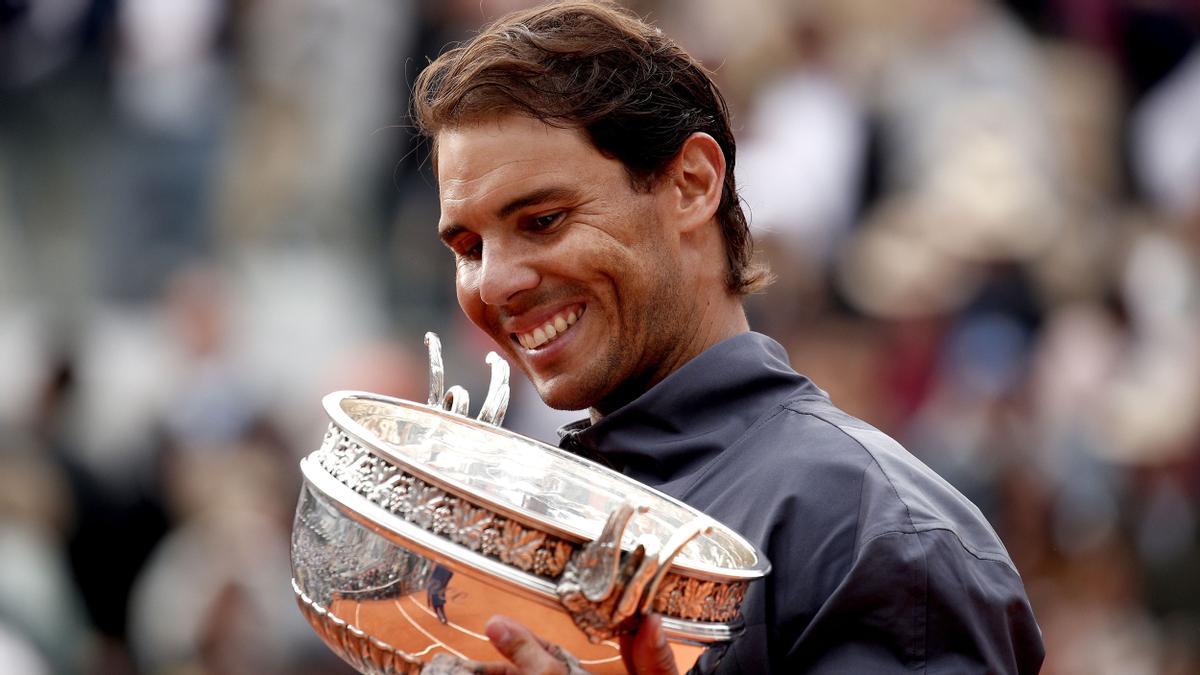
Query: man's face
[560,260]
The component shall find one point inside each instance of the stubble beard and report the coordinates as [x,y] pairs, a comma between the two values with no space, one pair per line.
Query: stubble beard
[613,377]
[662,321]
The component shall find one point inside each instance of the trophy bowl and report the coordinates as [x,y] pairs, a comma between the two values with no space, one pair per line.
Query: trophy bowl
[416,524]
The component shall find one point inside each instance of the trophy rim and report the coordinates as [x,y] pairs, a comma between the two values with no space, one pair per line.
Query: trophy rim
[371,441]
[462,559]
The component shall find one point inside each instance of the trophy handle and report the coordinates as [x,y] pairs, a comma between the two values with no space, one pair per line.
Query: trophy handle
[607,591]
[456,399]
[437,373]
[668,552]
[496,403]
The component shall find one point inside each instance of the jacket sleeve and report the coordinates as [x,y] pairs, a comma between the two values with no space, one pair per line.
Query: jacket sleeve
[922,601]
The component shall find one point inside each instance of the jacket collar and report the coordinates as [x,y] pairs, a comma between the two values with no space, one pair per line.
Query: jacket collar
[693,414]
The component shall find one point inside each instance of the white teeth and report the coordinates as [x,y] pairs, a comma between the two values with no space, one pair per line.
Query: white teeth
[548,331]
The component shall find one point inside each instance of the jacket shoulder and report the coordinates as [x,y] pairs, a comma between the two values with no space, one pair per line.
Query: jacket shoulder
[898,492]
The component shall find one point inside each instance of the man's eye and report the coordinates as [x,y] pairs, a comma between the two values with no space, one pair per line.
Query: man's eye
[469,250]
[545,222]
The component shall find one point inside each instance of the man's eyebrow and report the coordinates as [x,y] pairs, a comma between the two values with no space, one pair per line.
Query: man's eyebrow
[546,194]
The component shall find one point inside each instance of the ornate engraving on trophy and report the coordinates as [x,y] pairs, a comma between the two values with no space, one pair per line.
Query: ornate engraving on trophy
[498,537]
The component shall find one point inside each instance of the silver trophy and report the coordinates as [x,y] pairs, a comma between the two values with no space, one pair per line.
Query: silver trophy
[417,523]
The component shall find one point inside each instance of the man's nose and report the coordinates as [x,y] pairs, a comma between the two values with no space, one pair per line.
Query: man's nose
[505,272]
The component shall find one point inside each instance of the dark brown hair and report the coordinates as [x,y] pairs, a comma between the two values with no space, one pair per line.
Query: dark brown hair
[596,67]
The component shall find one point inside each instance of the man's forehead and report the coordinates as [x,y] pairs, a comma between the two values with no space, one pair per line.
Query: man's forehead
[485,161]
[467,151]
[488,188]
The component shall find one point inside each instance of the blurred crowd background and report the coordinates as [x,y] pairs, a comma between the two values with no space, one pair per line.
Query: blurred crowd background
[984,218]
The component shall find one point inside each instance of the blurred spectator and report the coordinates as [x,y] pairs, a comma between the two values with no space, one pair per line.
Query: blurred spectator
[211,595]
[171,98]
[799,168]
[19,656]
[1166,150]
[36,38]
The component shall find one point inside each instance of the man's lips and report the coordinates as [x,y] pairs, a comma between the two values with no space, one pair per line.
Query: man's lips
[535,335]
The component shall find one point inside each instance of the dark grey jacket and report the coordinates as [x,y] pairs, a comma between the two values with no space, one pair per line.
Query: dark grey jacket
[879,565]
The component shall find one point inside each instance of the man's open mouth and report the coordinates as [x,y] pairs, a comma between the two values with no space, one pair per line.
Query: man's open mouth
[551,330]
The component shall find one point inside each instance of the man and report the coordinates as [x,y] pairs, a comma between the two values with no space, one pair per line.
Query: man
[585,171]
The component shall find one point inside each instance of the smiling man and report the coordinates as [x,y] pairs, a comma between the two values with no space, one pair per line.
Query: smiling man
[585,170]
[597,288]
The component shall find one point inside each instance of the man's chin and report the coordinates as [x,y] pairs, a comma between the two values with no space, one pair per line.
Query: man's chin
[561,394]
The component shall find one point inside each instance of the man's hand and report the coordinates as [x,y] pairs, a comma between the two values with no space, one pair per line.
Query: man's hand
[645,652]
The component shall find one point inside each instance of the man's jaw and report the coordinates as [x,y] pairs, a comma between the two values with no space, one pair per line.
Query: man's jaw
[546,332]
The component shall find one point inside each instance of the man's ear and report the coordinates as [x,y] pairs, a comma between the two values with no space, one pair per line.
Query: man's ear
[695,180]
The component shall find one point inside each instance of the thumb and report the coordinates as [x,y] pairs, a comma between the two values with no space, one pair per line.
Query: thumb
[646,652]
[517,644]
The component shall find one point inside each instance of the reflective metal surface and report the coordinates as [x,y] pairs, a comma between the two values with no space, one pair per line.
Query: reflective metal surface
[386,609]
[528,480]
[416,524]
